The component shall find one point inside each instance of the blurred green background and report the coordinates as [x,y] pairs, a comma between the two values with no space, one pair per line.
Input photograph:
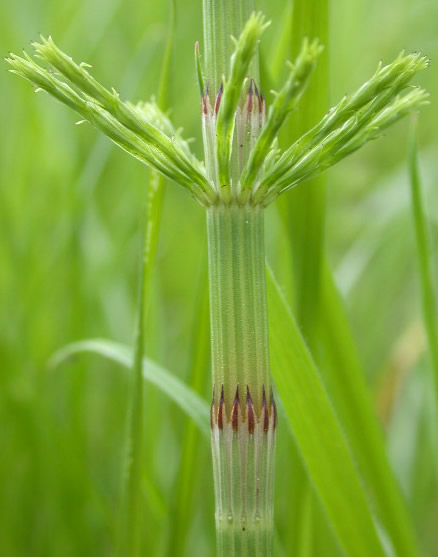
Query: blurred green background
[70,218]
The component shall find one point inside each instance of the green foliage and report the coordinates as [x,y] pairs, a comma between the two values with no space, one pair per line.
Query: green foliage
[344,379]
[69,213]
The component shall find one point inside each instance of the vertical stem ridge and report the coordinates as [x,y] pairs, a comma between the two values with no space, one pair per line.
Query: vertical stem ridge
[223,19]
[238,307]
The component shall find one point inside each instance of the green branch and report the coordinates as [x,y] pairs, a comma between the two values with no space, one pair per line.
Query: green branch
[355,120]
[244,52]
[285,101]
[125,124]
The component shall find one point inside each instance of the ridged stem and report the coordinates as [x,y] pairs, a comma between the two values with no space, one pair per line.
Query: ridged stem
[243,416]
[223,19]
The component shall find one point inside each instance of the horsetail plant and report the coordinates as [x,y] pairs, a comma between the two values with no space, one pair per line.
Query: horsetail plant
[244,170]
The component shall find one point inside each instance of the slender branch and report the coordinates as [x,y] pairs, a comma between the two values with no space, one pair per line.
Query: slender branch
[124,123]
[355,120]
[229,99]
[285,101]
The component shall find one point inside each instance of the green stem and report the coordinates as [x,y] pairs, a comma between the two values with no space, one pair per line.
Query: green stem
[223,19]
[243,416]
[243,409]
[130,534]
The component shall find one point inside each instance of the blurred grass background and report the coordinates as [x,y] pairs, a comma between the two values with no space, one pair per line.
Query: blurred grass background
[70,214]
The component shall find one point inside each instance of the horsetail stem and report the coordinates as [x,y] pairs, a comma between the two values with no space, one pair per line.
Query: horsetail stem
[243,413]
[244,171]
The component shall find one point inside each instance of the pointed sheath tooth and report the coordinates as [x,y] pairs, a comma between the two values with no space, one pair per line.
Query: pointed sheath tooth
[205,101]
[250,411]
[199,70]
[261,98]
[218,99]
[220,415]
[274,411]
[265,412]
[235,411]
[204,107]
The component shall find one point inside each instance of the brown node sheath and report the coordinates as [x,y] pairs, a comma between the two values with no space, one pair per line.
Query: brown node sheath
[250,411]
[235,411]
[220,415]
[265,412]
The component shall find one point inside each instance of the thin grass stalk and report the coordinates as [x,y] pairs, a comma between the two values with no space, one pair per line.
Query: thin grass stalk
[130,529]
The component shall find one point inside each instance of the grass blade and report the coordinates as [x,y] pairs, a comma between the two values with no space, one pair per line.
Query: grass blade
[345,381]
[191,403]
[319,434]
[424,250]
